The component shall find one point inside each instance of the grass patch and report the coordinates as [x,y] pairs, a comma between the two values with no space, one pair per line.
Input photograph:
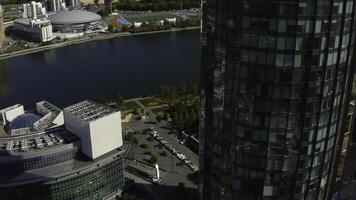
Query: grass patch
[131,105]
[159,111]
[144,146]
[152,102]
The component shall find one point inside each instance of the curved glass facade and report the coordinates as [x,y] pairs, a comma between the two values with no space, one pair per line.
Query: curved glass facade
[24,121]
[39,161]
[276,73]
[102,181]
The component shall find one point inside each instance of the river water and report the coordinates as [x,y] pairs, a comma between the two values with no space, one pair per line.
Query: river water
[133,66]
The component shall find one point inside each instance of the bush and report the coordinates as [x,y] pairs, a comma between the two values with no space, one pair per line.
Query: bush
[147,153]
[163,153]
[153,159]
[131,137]
[135,140]
[144,146]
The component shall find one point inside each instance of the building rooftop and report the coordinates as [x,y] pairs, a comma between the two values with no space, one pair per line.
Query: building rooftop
[54,172]
[10,108]
[28,21]
[47,107]
[73,17]
[89,110]
[35,141]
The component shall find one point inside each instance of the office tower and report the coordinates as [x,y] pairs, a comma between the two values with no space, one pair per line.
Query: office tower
[34,10]
[276,79]
[56,5]
[2,28]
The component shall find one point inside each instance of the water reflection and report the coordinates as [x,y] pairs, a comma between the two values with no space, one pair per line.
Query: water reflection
[133,66]
[4,80]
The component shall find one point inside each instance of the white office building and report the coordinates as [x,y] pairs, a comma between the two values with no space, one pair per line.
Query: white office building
[98,127]
[52,116]
[10,113]
[56,5]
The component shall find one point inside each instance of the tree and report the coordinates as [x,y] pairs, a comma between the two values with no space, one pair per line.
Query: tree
[153,159]
[163,153]
[101,99]
[120,102]
[166,116]
[138,111]
[124,28]
[159,118]
[110,28]
[163,91]
[184,90]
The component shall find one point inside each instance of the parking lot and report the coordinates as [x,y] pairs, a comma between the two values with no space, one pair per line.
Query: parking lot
[175,166]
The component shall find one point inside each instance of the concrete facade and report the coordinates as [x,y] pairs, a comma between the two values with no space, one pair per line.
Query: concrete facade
[10,113]
[98,136]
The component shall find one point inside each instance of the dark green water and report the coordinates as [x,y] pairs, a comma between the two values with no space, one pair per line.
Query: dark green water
[133,66]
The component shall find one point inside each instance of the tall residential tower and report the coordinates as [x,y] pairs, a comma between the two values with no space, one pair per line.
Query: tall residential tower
[276,80]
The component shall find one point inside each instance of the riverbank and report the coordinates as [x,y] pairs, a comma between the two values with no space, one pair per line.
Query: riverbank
[84,40]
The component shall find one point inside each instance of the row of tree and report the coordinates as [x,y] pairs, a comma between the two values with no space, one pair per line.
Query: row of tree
[185,90]
[150,26]
[185,117]
[156,5]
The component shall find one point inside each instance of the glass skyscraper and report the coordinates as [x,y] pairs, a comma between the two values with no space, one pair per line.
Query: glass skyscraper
[276,77]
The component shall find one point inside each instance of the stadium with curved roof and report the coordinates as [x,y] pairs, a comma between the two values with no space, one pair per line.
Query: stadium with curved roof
[74,21]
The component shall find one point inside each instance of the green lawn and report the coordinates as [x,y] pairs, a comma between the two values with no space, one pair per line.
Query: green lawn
[152,102]
[2,131]
[131,105]
[159,110]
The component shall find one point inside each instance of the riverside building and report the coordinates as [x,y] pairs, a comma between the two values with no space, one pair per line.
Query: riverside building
[34,25]
[277,77]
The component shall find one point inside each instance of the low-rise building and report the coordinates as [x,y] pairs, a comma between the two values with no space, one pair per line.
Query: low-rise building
[38,30]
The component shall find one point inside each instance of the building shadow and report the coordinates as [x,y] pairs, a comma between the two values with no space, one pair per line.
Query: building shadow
[162,192]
